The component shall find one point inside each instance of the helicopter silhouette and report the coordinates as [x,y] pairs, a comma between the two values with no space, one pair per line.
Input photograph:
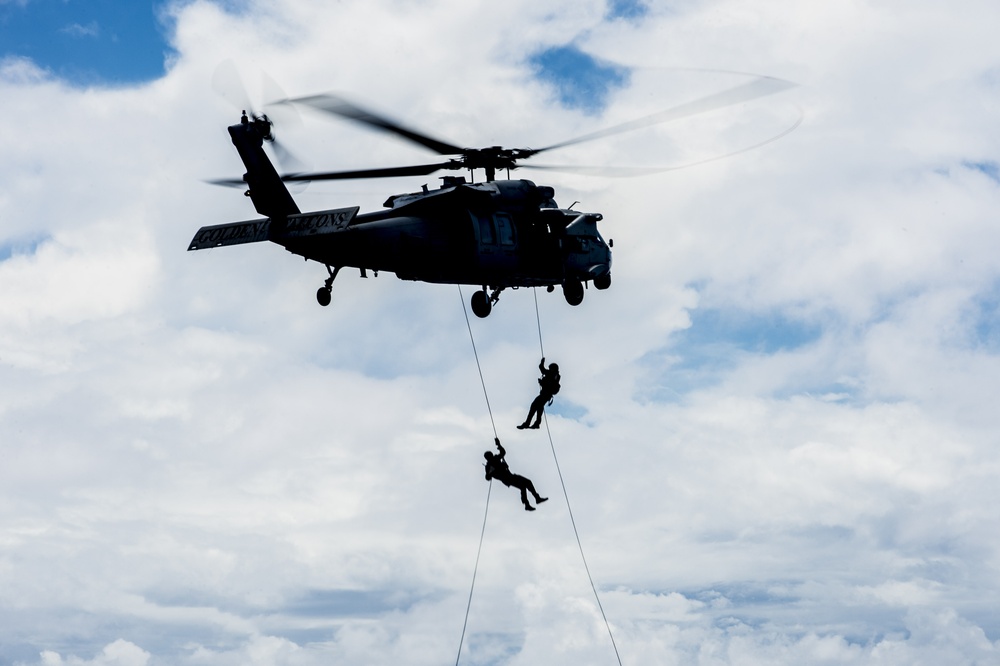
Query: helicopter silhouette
[494,234]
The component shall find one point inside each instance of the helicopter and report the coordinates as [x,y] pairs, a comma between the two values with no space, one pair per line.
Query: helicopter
[494,234]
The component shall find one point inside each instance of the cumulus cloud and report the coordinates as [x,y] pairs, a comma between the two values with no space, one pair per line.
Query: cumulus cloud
[776,429]
[118,653]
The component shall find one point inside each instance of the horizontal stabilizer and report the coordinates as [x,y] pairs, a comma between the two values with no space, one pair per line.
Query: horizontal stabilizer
[320,222]
[234,233]
[302,225]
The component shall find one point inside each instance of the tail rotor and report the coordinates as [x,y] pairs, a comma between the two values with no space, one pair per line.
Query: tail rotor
[228,84]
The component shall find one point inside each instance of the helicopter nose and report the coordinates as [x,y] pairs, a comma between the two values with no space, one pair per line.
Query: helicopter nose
[598,270]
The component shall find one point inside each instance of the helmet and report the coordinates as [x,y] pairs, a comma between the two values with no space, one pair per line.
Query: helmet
[554,366]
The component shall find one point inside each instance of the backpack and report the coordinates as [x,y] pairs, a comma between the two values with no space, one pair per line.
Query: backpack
[550,382]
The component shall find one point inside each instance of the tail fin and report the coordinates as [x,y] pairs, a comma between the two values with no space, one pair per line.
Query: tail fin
[269,195]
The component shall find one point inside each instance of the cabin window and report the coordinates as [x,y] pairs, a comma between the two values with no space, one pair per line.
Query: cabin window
[505,226]
[486,233]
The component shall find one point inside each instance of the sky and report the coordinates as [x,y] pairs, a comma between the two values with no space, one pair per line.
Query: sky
[777,429]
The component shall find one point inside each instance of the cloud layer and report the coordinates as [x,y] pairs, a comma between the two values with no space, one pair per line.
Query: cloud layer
[776,429]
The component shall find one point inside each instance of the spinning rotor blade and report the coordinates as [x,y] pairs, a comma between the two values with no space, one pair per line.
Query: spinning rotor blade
[340,107]
[742,93]
[286,114]
[631,172]
[287,159]
[389,172]
[228,182]
[228,84]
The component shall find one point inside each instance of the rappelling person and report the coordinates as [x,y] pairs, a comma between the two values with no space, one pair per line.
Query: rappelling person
[496,468]
[549,386]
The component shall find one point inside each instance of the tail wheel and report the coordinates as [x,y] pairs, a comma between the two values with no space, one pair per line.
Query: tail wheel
[573,291]
[323,296]
[481,306]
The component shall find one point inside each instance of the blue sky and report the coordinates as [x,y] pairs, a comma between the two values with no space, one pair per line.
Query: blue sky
[88,41]
[777,428]
[580,81]
[107,42]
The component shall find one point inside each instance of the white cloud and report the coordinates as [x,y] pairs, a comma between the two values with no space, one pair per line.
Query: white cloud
[118,653]
[203,466]
[91,29]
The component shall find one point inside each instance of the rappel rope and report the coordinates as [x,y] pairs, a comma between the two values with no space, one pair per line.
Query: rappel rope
[579,544]
[562,483]
[478,364]
[538,320]
[489,491]
[475,570]
[569,508]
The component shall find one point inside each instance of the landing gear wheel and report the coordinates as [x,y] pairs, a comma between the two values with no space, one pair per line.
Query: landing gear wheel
[481,305]
[324,293]
[573,291]
[603,282]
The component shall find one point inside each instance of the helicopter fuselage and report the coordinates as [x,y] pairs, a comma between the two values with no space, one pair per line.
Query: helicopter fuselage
[496,234]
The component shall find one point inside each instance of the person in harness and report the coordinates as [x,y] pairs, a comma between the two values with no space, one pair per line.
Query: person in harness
[496,468]
[549,386]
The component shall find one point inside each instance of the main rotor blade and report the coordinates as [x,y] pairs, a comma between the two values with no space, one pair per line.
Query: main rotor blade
[340,107]
[631,172]
[390,172]
[228,182]
[760,87]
